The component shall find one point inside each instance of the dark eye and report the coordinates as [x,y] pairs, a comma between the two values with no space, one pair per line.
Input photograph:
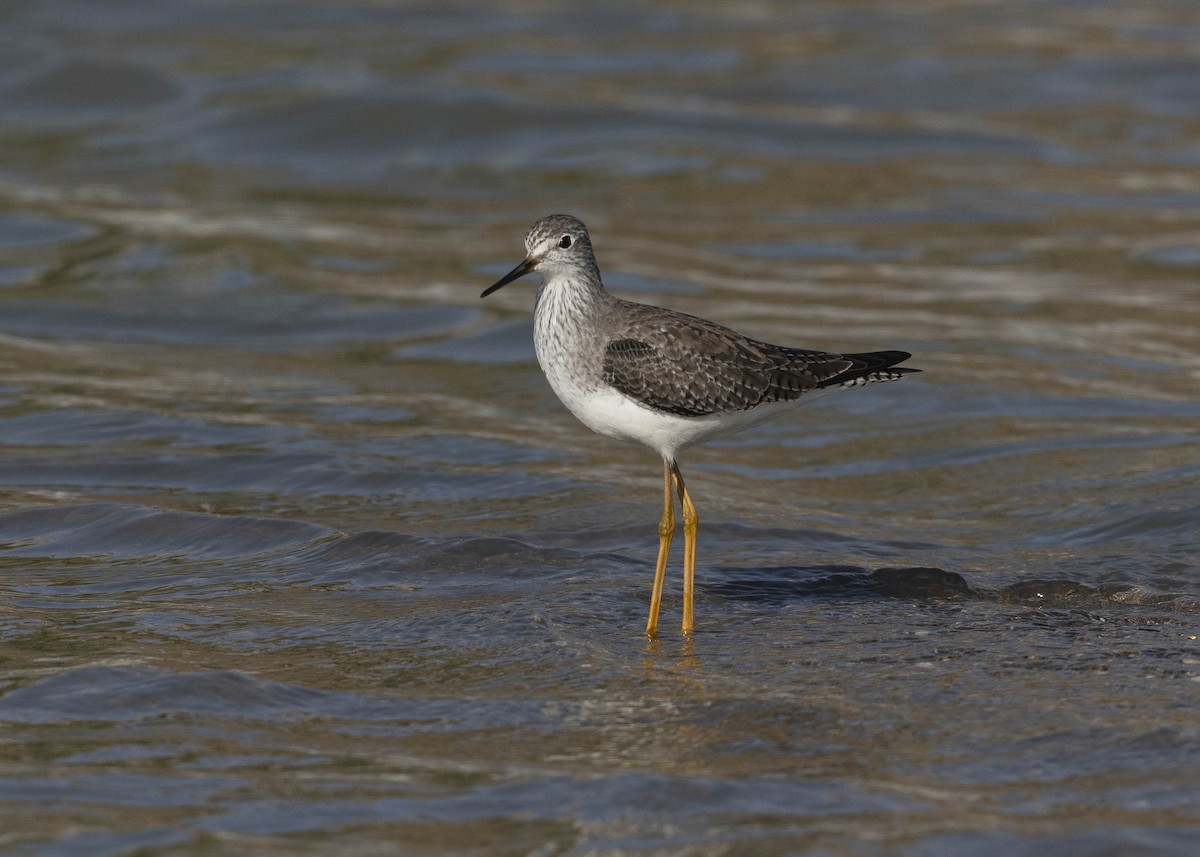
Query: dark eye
[565,241]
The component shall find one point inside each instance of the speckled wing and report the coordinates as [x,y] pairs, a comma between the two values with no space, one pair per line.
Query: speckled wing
[691,367]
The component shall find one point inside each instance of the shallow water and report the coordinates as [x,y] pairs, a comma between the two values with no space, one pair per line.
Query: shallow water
[299,554]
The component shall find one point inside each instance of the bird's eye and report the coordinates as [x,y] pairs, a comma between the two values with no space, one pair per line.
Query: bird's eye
[565,241]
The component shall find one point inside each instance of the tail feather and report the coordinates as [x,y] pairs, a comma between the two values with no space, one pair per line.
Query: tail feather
[869,368]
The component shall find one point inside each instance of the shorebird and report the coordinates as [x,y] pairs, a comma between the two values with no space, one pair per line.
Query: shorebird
[667,380]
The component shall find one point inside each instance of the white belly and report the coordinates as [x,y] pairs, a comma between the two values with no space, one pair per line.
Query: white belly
[611,413]
[571,355]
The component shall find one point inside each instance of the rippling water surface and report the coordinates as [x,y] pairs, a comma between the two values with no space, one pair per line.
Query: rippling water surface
[299,554]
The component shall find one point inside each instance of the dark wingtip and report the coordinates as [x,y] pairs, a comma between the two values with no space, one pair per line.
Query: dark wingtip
[872,366]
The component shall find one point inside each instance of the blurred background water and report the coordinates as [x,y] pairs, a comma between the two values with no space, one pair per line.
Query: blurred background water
[300,554]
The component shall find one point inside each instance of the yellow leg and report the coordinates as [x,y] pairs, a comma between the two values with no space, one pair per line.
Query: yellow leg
[666,530]
[690,524]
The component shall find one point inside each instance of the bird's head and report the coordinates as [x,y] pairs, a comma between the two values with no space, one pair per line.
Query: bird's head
[556,243]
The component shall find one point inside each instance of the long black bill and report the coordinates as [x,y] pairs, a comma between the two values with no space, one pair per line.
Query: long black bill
[517,272]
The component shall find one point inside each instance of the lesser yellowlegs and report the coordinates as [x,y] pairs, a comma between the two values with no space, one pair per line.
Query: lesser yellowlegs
[667,380]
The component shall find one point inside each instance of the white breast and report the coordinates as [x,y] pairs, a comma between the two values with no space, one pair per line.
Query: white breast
[570,349]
